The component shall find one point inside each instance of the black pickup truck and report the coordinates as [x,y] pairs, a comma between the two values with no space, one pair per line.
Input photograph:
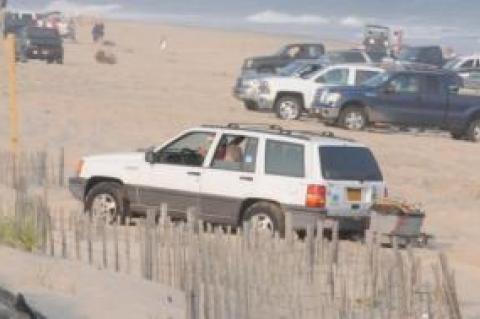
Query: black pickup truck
[412,98]
[286,55]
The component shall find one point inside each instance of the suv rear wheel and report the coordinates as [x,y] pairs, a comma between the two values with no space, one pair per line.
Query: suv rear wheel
[288,108]
[266,217]
[353,118]
[473,131]
[105,201]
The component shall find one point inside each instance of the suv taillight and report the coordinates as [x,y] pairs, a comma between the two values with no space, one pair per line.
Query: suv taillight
[316,196]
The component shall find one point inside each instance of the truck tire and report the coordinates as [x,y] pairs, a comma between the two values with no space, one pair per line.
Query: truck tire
[288,107]
[457,135]
[250,105]
[266,217]
[473,131]
[105,200]
[353,118]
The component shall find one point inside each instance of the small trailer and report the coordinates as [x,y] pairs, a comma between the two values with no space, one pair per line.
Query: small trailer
[396,222]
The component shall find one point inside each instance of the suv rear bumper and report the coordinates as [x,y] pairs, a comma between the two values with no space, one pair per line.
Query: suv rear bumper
[77,186]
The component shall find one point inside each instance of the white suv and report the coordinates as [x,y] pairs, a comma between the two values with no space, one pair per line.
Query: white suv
[237,173]
[290,96]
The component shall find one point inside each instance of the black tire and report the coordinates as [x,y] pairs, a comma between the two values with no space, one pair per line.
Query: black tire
[348,116]
[59,60]
[473,131]
[250,105]
[273,211]
[288,107]
[113,191]
[457,135]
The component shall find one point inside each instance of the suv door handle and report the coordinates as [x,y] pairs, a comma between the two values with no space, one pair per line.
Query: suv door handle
[246,178]
[193,173]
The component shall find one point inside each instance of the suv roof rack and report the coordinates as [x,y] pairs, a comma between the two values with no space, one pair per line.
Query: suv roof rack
[277,129]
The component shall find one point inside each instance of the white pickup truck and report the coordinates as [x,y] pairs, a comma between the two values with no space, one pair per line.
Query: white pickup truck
[289,97]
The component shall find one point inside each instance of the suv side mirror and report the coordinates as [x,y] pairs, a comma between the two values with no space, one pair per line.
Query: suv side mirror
[150,157]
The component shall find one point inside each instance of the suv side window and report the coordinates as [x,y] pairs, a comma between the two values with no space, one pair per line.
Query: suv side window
[467,64]
[406,83]
[236,153]
[189,149]
[364,75]
[336,76]
[284,159]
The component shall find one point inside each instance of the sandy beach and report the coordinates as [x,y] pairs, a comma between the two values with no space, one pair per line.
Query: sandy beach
[151,95]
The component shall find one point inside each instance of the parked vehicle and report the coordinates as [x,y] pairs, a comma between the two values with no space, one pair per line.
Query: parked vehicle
[376,39]
[416,98]
[246,86]
[237,173]
[289,97]
[428,55]
[39,43]
[346,56]
[471,79]
[464,65]
[289,53]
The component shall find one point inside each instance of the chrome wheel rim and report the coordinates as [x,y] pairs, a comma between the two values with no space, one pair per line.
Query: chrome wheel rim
[354,121]
[289,110]
[104,207]
[263,223]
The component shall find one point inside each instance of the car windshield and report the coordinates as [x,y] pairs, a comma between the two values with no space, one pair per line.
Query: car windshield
[349,163]
[42,33]
[377,80]
[451,64]
[291,68]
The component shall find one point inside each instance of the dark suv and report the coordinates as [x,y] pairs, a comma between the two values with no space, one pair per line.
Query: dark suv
[39,43]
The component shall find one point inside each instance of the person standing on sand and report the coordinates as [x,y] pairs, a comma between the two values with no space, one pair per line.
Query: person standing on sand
[98,31]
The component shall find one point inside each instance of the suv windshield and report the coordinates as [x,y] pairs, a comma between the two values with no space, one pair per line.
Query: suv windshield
[451,64]
[42,33]
[347,163]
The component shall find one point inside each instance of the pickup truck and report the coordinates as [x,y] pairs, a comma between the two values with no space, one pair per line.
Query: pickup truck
[413,98]
[289,97]
[287,54]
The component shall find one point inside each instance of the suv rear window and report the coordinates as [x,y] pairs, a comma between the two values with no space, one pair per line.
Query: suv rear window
[284,159]
[346,163]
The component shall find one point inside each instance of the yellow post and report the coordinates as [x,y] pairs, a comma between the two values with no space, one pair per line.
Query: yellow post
[12,91]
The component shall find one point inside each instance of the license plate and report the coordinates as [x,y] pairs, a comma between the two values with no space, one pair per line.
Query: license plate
[35,51]
[354,194]
[45,51]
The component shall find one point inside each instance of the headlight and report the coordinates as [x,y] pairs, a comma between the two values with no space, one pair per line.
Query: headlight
[372,41]
[264,88]
[79,168]
[331,98]
[248,63]
[386,43]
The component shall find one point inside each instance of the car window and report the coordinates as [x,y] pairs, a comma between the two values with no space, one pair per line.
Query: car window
[431,85]
[189,150]
[364,75]
[348,163]
[236,153]
[284,159]
[405,83]
[467,64]
[354,57]
[292,51]
[336,77]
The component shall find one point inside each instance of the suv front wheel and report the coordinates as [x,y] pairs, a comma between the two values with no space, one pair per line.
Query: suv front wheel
[266,217]
[288,108]
[105,201]
[353,118]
